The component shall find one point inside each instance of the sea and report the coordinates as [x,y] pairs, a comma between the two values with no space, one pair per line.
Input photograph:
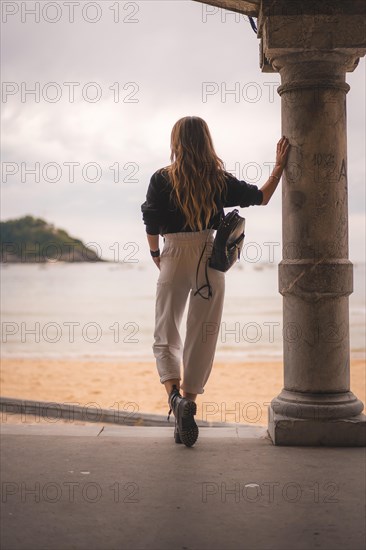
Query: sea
[105,311]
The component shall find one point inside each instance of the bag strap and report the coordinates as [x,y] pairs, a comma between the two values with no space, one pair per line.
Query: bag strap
[207,285]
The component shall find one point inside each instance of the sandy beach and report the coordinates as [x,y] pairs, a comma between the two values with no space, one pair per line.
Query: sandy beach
[235,392]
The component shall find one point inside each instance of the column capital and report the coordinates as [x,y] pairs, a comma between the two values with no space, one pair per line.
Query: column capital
[316,62]
[313,69]
[311,31]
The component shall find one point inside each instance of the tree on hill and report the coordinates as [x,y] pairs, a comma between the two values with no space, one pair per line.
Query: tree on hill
[31,240]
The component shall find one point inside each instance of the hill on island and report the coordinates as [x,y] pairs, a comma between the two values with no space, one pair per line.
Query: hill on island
[33,240]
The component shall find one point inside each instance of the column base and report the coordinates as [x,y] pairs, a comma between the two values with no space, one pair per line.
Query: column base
[339,432]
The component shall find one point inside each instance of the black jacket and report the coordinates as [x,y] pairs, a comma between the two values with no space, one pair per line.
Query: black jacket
[161,216]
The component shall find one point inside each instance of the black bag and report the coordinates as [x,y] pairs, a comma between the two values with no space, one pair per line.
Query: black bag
[228,242]
[226,247]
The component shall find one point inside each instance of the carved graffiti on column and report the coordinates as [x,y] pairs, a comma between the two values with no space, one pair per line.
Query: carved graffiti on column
[327,168]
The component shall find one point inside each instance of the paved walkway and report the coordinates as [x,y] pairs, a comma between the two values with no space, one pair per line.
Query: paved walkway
[120,487]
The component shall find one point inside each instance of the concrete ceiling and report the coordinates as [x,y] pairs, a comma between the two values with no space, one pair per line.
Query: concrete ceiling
[247,7]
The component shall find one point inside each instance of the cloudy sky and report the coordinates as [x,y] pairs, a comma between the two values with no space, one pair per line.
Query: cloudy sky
[110,80]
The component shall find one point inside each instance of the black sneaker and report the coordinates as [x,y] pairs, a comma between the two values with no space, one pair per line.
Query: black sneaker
[184,410]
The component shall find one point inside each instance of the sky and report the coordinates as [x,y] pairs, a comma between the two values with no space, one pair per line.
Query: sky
[109,80]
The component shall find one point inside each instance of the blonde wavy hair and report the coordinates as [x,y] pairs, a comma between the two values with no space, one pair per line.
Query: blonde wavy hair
[196,174]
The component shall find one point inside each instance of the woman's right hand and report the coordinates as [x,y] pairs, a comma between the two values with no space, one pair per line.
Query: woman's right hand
[283,149]
[157,261]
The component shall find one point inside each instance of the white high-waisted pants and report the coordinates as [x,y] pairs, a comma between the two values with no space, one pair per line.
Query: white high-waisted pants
[177,280]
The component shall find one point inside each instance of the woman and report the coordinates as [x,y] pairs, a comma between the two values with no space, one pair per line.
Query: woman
[184,203]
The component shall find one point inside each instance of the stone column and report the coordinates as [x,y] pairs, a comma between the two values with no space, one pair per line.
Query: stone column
[316,406]
[312,44]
